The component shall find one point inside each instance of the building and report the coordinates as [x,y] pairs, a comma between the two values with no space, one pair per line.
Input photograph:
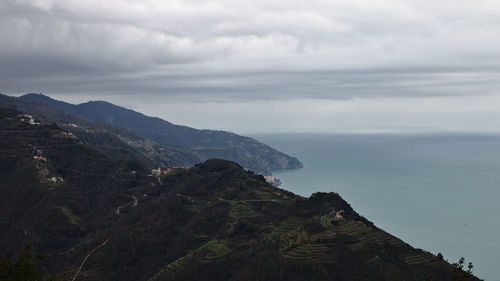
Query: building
[56,180]
[40,158]
[33,122]
[28,118]
[273,180]
[338,215]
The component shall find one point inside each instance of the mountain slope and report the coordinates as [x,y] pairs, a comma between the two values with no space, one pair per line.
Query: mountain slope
[207,144]
[115,142]
[214,221]
[53,186]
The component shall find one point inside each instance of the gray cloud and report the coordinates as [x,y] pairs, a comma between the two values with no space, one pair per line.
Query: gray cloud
[363,62]
[250,49]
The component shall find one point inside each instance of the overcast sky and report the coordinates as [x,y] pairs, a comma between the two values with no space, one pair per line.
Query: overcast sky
[263,66]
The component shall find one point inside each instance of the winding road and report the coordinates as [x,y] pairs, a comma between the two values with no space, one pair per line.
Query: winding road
[134,204]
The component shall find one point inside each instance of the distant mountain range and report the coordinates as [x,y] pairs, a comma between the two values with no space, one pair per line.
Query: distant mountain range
[215,221]
[119,132]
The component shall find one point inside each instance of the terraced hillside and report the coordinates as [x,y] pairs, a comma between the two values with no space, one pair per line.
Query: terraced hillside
[215,221]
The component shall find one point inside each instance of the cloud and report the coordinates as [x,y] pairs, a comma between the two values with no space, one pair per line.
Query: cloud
[250,49]
[254,52]
[454,114]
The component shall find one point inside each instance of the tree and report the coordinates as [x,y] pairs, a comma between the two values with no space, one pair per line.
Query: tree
[458,273]
[25,268]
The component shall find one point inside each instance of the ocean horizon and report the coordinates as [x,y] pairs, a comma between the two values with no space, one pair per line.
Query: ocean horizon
[437,192]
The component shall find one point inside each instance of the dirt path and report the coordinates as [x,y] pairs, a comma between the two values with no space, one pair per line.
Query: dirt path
[88,255]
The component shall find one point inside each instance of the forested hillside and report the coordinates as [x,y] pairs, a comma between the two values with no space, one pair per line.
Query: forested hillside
[205,144]
[214,221]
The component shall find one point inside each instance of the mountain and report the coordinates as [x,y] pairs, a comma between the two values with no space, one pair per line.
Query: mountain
[102,219]
[206,144]
[116,143]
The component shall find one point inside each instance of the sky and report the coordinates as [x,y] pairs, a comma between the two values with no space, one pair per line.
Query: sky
[264,66]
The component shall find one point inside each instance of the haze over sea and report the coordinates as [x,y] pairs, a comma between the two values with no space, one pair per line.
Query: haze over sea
[438,192]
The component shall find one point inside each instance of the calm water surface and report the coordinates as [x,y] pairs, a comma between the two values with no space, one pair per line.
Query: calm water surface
[440,193]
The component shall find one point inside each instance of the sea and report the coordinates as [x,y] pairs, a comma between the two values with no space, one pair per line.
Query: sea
[437,192]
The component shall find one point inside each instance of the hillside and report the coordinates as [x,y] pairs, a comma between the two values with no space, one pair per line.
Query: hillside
[116,143]
[206,144]
[54,188]
[214,221]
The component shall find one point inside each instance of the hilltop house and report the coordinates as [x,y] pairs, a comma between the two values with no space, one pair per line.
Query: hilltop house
[338,215]
[28,118]
[39,158]
[273,180]
[159,171]
[56,180]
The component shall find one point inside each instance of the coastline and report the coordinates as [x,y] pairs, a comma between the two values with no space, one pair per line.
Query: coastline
[436,192]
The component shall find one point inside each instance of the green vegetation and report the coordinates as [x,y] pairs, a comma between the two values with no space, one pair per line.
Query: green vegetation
[242,210]
[173,269]
[420,259]
[317,253]
[459,274]
[26,267]
[215,221]
[209,252]
[213,250]
[186,146]
[65,210]
[288,225]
